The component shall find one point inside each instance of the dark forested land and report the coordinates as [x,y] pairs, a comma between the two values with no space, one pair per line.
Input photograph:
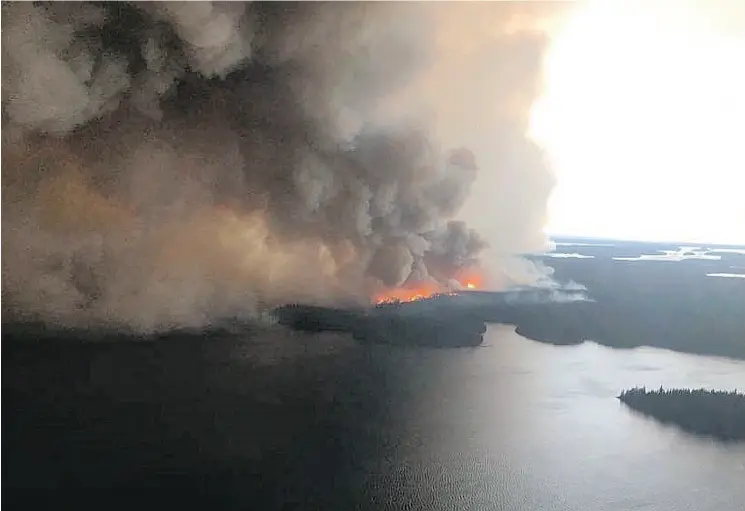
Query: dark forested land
[714,413]
[666,304]
[390,324]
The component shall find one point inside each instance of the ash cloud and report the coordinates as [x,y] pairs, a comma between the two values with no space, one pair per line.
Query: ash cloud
[170,164]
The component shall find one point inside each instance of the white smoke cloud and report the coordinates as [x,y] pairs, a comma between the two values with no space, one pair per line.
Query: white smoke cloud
[171,164]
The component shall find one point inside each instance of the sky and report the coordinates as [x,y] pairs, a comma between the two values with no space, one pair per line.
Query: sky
[643,121]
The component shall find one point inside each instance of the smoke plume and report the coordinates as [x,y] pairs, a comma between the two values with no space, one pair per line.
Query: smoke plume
[169,164]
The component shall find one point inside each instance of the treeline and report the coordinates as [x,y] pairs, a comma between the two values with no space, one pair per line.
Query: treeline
[716,413]
[393,323]
[675,306]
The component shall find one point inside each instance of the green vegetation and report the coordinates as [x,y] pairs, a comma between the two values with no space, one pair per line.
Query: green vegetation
[715,413]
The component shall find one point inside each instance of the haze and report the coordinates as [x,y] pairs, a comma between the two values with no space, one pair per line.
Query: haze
[643,120]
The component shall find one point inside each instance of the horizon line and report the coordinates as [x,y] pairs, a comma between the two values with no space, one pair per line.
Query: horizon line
[559,237]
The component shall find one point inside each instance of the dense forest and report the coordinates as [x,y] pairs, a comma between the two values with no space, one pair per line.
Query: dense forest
[670,304]
[393,323]
[715,413]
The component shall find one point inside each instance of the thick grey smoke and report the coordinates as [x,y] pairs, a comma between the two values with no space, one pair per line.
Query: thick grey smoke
[169,164]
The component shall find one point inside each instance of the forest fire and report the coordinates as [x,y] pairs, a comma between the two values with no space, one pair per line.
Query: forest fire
[408,294]
[468,279]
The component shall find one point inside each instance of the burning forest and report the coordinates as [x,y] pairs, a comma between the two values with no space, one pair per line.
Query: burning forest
[168,164]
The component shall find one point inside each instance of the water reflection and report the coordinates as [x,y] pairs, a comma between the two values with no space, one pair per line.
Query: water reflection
[537,427]
[287,420]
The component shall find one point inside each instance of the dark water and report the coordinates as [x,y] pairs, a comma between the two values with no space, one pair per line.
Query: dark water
[289,421]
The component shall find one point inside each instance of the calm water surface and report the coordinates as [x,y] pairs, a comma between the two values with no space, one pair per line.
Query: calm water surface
[289,421]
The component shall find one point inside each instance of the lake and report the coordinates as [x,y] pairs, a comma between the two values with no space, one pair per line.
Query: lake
[283,420]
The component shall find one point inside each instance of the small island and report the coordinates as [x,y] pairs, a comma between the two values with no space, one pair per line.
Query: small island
[715,413]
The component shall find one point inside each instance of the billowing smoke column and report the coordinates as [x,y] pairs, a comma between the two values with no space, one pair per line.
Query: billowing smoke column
[168,164]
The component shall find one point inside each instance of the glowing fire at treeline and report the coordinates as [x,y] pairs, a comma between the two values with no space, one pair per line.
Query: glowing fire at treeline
[469,279]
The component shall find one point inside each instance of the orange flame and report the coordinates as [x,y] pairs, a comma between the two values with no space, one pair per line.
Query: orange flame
[468,279]
[408,293]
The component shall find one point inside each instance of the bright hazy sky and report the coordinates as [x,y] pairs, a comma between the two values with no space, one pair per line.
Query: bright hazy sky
[643,120]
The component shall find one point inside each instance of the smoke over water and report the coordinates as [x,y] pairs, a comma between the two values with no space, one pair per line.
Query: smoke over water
[169,164]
